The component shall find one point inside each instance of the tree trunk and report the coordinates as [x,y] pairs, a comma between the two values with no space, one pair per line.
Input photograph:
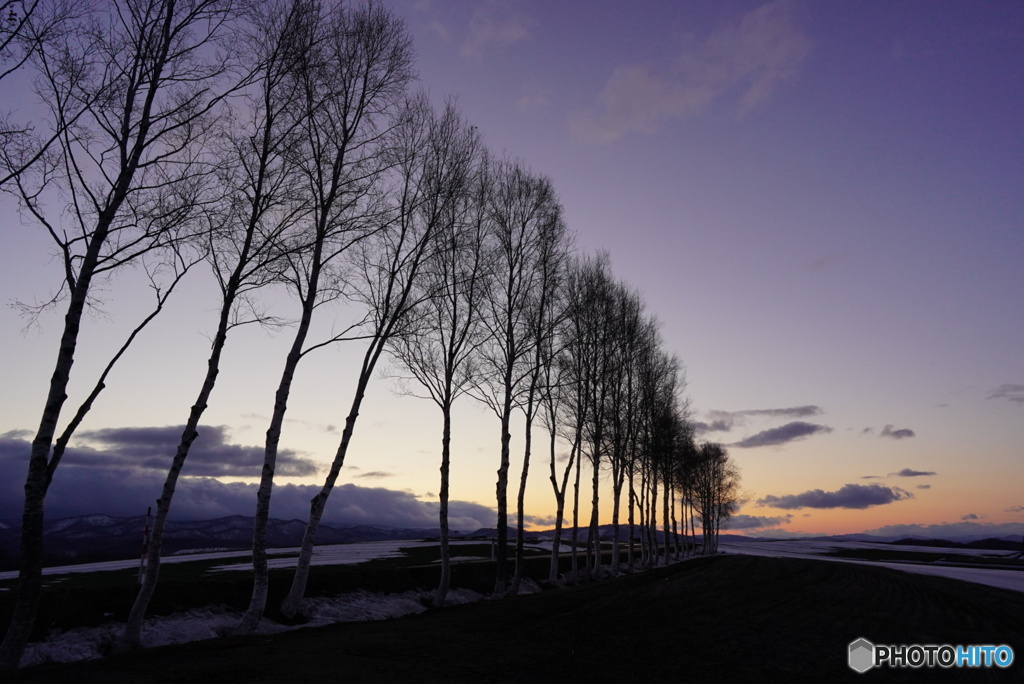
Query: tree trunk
[38,479]
[594,537]
[133,628]
[501,492]
[292,602]
[630,553]
[576,520]
[521,498]
[446,563]
[261,573]
[559,504]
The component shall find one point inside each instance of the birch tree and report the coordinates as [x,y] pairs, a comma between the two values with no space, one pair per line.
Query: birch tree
[27,27]
[425,181]
[545,311]
[716,491]
[352,75]
[131,92]
[261,202]
[522,207]
[439,351]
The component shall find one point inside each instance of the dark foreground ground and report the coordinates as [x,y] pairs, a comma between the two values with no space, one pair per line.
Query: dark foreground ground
[722,619]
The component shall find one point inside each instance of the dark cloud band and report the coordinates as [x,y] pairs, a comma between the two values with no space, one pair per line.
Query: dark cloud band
[782,434]
[849,496]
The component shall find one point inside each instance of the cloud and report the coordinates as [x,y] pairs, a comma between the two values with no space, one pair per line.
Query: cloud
[792,412]
[117,489]
[753,522]
[541,520]
[924,486]
[969,516]
[375,474]
[152,448]
[749,59]
[907,472]
[493,26]
[725,421]
[1015,509]
[1013,393]
[849,496]
[714,426]
[871,477]
[902,433]
[782,435]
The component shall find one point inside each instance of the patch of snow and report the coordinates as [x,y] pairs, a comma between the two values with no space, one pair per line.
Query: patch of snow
[89,643]
[814,549]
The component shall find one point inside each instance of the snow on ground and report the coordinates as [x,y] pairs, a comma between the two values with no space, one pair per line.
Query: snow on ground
[334,554]
[814,549]
[346,554]
[133,564]
[87,643]
[96,642]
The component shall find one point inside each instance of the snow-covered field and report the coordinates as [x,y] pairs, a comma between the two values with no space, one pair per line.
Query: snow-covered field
[211,622]
[994,577]
[334,554]
[208,623]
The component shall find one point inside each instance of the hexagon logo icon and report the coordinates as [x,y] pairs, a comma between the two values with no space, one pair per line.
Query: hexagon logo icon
[862,655]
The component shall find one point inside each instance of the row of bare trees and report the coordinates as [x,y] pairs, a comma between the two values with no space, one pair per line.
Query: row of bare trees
[283,145]
[615,396]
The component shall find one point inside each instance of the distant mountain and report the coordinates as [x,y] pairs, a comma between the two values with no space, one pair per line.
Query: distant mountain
[94,538]
[992,543]
[1010,542]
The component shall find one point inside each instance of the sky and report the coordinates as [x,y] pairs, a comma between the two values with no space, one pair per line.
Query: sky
[822,204]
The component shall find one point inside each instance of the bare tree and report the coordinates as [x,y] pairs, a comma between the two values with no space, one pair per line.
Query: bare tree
[352,75]
[581,337]
[554,398]
[27,27]
[131,92]
[260,204]
[439,351]
[386,267]
[716,491]
[545,312]
[522,208]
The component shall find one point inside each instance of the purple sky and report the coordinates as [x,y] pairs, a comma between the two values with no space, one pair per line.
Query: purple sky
[822,202]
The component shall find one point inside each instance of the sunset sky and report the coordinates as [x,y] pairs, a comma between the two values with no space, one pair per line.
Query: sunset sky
[823,204]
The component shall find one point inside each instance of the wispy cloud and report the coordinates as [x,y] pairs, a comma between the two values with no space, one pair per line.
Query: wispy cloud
[754,522]
[1013,393]
[925,486]
[1015,509]
[782,435]
[725,421]
[375,475]
[749,59]
[902,433]
[969,516]
[907,472]
[494,25]
[848,496]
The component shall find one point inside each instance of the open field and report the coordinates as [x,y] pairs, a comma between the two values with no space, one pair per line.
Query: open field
[738,618]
